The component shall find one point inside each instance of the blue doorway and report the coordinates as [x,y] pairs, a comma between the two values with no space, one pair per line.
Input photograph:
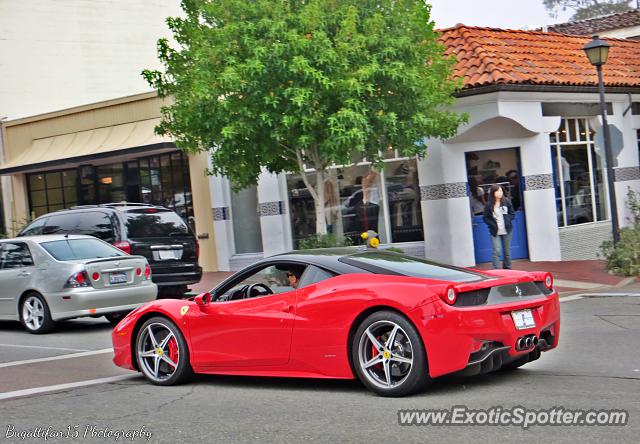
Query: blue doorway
[502,167]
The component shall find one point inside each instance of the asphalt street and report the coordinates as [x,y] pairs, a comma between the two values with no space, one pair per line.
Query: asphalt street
[596,366]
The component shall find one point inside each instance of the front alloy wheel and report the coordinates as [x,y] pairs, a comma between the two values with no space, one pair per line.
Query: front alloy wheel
[162,353]
[389,356]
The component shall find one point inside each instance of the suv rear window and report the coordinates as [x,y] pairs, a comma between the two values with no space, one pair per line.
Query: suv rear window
[144,223]
[80,249]
[399,264]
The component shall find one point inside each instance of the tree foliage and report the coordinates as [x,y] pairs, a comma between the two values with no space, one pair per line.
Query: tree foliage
[586,9]
[284,84]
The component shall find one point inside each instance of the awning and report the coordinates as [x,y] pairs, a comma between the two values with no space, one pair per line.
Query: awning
[85,146]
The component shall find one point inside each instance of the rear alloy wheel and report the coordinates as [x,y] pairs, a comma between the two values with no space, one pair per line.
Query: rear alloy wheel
[162,353]
[389,356]
[35,314]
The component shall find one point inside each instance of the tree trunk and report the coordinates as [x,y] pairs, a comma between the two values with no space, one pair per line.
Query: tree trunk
[321,221]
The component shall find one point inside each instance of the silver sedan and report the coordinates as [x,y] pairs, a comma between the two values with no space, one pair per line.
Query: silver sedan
[44,279]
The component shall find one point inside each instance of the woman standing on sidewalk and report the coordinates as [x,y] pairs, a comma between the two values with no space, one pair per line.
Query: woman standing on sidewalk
[498,215]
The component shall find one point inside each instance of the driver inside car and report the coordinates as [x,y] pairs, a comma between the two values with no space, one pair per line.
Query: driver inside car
[294,277]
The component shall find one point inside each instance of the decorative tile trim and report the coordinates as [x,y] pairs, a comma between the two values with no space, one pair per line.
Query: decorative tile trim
[271,208]
[220,213]
[538,182]
[443,191]
[626,173]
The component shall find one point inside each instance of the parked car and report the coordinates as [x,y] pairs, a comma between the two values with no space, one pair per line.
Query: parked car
[155,232]
[393,321]
[45,279]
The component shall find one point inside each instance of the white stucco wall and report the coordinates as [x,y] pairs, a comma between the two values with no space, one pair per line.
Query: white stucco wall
[63,53]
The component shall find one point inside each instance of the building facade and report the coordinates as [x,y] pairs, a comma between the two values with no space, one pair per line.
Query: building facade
[101,153]
[533,128]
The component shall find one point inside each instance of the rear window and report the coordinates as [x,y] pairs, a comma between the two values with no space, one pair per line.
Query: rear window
[80,249]
[156,224]
[381,263]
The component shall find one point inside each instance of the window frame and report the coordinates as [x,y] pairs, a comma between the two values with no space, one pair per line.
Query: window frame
[557,170]
[25,244]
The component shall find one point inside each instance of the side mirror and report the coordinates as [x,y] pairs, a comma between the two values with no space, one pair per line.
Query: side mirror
[202,299]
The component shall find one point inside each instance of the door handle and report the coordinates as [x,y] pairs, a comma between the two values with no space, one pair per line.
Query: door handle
[24,274]
[287,308]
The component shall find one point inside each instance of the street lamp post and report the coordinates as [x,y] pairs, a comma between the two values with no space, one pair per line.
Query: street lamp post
[597,51]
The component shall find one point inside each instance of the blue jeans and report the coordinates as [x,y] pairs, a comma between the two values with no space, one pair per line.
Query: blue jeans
[501,241]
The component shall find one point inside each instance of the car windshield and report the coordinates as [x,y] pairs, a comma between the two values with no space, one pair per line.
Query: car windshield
[154,223]
[80,249]
[381,263]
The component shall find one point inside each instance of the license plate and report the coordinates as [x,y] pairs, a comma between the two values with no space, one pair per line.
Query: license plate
[167,254]
[117,278]
[523,319]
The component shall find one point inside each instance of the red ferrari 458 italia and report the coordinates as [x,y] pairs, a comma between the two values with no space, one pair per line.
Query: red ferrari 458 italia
[393,321]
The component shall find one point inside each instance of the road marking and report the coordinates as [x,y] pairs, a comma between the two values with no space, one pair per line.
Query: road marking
[576,297]
[45,348]
[55,358]
[70,385]
[571,298]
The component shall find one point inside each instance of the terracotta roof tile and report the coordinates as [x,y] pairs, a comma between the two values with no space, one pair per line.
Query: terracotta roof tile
[486,56]
[598,24]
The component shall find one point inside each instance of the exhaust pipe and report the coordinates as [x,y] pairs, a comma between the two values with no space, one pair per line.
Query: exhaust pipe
[534,341]
[520,343]
[527,342]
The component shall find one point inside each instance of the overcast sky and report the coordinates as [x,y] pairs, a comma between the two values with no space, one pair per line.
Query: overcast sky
[513,14]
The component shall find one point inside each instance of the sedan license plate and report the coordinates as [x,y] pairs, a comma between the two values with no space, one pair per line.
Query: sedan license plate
[117,278]
[523,319]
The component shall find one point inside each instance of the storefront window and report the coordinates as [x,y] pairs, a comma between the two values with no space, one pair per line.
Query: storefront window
[359,198]
[579,171]
[160,180]
[52,191]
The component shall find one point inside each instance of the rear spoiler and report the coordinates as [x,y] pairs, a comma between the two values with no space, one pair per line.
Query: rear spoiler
[114,258]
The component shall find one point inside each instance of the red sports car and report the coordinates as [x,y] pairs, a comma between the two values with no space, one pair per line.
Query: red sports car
[390,320]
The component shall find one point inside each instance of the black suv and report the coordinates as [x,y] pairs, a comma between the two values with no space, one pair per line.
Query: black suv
[154,232]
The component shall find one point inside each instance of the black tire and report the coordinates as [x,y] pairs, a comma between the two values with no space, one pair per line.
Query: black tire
[407,344]
[37,319]
[115,318]
[182,370]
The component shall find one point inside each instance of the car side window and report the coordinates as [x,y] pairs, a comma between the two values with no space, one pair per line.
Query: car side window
[313,275]
[272,279]
[97,224]
[61,223]
[34,228]
[15,255]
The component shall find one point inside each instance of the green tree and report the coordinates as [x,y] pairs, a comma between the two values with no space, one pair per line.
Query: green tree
[586,9]
[295,85]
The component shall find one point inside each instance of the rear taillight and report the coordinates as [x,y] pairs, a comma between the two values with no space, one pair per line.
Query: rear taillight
[124,246]
[449,295]
[197,249]
[548,281]
[78,280]
[138,271]
[95,276]
[147,272]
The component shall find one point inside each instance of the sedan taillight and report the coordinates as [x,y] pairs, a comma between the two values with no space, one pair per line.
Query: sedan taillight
[78,280]
[147,272]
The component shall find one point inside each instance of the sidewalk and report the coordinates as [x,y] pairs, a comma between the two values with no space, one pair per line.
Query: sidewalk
[569,276]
